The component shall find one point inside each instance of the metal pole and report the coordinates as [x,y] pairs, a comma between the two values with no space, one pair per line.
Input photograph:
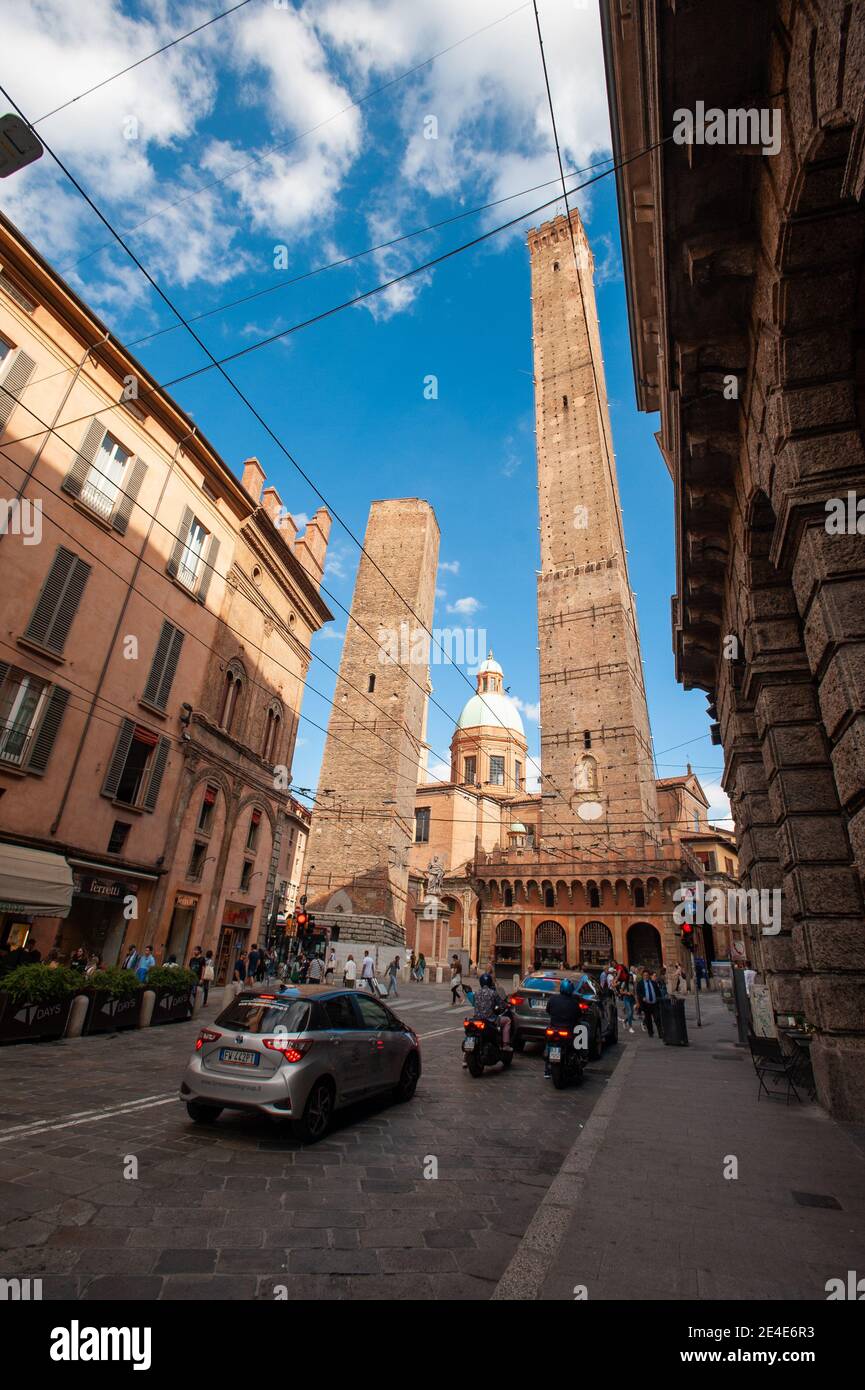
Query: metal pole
[693,974]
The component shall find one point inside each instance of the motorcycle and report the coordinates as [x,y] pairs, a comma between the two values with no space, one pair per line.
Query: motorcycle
[482,1045]
[565,1058]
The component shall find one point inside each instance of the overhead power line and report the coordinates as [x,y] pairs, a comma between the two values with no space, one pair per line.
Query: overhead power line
[137,64]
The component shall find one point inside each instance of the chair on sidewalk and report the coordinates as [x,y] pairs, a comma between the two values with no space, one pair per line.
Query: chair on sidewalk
[771,1062]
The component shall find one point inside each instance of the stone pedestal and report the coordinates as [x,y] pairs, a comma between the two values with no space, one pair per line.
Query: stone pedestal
[439,925]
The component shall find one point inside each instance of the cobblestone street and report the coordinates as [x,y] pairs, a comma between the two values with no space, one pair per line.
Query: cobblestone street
[232,1211]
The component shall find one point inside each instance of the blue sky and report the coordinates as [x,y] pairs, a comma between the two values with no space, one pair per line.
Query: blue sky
[200,124]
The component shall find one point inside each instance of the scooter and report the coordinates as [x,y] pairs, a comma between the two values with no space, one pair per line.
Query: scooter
[565,1058]
[482,1045]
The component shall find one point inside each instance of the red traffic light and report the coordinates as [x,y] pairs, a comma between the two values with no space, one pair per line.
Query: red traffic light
[302,918]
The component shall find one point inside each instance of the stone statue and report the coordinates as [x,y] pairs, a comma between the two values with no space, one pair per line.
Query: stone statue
[435,871]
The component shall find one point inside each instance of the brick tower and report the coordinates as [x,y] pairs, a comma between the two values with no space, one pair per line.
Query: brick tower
[595,738]
[363,822]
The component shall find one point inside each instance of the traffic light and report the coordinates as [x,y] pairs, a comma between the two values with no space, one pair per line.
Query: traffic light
[301,921]
[688,936]
[310,922]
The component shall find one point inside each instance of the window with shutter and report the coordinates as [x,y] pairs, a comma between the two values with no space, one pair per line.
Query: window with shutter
[49,727]
[164,666]
[135,474]
[17,369]
[58,602]
[208,568]
[83,461]
[22,702]
[157,772]
[118,758]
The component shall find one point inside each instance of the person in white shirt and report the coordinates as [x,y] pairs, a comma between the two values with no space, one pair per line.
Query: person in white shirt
[750,977]
[367,971]
[331,966]
[349,974]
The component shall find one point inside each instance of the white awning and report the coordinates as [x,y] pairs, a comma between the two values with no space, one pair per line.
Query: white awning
[34,882]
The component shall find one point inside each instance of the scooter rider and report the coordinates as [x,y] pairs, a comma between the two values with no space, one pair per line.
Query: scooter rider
[492,1006]
[564,1011]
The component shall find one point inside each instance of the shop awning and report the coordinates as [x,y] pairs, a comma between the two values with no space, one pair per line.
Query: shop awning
[34,882]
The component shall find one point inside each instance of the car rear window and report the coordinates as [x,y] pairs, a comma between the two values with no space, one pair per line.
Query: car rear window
[265,1014]
[533,982]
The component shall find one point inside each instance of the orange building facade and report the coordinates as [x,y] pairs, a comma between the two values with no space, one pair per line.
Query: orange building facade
[157,613]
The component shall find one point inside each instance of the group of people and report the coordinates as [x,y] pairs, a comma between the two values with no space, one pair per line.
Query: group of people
[641,991]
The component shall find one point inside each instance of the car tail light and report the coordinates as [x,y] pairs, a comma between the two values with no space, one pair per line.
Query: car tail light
[562,1033]
[516,1000]
[206,1035]
[292,1049]
[584,1008]
[550,1032]
[473,1023]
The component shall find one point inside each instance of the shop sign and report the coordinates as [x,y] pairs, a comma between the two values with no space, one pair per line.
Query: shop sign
[185,900]
[101,888]
[233,915]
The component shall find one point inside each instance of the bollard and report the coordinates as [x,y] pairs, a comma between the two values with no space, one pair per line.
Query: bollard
[148,1003]
[197,1001]
[77,1015]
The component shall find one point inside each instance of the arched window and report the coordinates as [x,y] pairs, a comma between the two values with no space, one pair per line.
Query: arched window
[271,732]
[509,897]
[596,944]
[549,897]
[639,895]
[594,896]
[231,696]
[550,944]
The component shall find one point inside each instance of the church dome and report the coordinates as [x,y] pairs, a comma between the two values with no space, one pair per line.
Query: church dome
[490,706]
[494,708]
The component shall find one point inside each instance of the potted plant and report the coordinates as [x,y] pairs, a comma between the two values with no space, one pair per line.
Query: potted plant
[174,988]
[35,1002]
[115,999]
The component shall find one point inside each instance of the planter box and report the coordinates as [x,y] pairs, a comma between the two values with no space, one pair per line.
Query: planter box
[107,1013]
[172,1008]
[26,1022]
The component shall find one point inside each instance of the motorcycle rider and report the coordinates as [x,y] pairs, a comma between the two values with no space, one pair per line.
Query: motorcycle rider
[492,1006]
[564,1011]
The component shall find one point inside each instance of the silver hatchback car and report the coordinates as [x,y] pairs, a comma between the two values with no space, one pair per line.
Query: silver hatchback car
[299,1055]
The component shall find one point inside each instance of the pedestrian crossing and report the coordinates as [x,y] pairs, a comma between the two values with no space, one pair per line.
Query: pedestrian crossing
[422,1007]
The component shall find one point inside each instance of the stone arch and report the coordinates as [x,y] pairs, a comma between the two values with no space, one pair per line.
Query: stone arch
[550,946]
[508,946]
[595,943]
[644,946]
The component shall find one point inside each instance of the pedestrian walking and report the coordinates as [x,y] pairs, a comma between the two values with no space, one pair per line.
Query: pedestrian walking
[196,965]
[647,998]
[315,972]
[680,981]
[208,974]
[145,964]
[421,967]
[131,960]
[240,969]
[412,966]
[349,974]
[701,972]
[392,974]
[456,980]
[626,990]
[367,972]
[331,966]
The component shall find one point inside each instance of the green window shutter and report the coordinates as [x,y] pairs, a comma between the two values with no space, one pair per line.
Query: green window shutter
[118,758]
[49,728]
[209,559]
[58,602]
[136,469]
[165,659]
[74,480]
[157,771]
[180,542]
[17,376]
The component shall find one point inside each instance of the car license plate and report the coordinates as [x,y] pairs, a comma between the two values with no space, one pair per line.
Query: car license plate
[555,1054]
[469,1044]
[539,1003]
[239,1056]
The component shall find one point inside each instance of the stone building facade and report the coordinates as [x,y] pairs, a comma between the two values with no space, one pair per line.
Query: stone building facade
[155,626]
[362,821]
[744,270]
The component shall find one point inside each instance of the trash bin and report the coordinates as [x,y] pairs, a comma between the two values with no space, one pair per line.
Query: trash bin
[675,1029]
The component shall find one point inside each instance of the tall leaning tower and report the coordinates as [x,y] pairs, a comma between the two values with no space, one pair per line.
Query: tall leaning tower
[596,753]
[363,822]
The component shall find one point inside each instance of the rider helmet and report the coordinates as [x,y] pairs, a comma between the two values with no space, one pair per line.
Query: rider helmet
[486,980]
[566,987]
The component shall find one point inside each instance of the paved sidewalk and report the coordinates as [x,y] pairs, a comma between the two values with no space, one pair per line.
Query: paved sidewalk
[642,1210]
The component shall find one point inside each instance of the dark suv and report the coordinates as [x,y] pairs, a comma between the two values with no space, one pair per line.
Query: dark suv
[529,1005]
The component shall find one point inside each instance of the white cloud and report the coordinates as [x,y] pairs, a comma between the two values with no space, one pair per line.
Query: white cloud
[465,607]
[439,772]
[531,711]
[450,566]
[719,804]
[329,634]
